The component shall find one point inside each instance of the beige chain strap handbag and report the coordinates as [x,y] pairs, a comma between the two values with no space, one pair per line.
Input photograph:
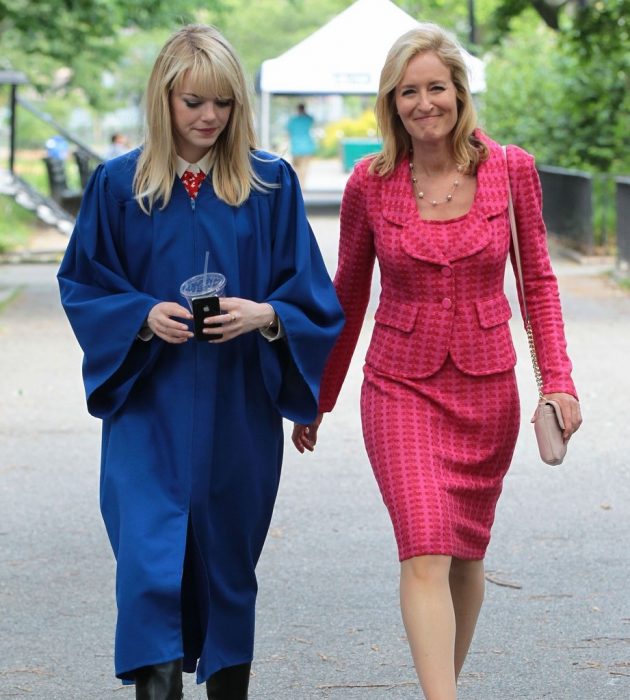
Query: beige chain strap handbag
[547,419]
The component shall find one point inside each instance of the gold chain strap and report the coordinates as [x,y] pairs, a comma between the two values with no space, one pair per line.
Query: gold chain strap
[517,257]
[536,366]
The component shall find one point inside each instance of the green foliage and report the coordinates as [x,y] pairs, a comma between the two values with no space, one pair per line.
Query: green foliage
[61,45]
[16,224]
[599,39]
[507,10]
[604,209]
[525,100]
[455,16]
[31,131]
[564,95]
[40,37]
[266,28]
[128,78]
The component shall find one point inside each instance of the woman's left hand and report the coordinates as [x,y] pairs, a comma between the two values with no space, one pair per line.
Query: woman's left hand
[305,436]
[239,316]
[571,414]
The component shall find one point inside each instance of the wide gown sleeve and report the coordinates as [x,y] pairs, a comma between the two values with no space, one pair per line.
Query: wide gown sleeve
[541,286]
[104,309]
[303,296]
[352,282]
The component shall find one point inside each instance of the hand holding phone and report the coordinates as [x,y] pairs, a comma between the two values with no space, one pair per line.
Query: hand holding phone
[202,308]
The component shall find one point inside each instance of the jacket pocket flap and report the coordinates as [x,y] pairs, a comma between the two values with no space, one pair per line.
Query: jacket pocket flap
[493,312]
[396,314]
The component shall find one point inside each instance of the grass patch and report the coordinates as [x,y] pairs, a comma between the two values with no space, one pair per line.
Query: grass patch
[16,224]
[624,283]
[7,296]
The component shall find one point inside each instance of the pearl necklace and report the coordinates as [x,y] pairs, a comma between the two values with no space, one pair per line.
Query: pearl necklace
[420,194]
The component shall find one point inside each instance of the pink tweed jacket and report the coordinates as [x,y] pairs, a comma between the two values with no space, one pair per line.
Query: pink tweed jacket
[436,303]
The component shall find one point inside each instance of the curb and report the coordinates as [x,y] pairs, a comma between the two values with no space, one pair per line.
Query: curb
[31,256]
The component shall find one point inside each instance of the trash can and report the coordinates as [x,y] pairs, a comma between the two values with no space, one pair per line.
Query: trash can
[353,149]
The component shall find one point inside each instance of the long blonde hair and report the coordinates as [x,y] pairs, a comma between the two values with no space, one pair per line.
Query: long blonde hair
[201,54]
[468,150]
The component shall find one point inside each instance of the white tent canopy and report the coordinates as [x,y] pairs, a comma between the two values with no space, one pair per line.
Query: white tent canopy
[344,57]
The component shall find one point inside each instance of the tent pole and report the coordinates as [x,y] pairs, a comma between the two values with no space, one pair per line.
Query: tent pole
[265,117]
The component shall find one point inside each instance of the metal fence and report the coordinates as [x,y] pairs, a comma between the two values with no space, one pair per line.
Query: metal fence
[568,205]
[579,208]
[623,223]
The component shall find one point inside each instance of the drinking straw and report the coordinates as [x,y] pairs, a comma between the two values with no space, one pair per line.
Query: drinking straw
[205,270]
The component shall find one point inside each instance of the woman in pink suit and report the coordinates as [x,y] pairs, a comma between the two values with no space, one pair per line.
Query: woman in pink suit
[439,403]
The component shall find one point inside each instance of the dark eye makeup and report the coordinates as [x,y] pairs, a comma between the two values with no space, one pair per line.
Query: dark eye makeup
[220,103]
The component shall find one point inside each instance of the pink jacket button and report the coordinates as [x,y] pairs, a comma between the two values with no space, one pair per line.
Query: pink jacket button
[446,303]
[447,272]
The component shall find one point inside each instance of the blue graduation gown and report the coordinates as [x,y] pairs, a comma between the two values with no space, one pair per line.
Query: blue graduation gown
[192,434]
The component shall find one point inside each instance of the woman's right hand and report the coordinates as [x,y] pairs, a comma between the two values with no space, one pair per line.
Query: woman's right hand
[305,436]
[161,321]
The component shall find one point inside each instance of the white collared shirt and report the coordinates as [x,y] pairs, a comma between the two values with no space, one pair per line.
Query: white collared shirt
[203,164]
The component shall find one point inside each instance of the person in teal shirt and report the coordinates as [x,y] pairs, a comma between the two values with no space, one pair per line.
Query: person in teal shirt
[302,144]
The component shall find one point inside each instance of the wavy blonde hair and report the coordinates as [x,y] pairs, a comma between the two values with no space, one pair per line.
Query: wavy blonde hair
[201,54]
[468,150]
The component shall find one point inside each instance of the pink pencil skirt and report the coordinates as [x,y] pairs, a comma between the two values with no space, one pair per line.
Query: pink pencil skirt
[439,448]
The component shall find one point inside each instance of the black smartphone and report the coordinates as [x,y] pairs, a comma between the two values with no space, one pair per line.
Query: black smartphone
[202,307]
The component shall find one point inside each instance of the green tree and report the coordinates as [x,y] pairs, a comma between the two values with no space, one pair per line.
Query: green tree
[569,96]
[524,100]
[548,10]
[455,15]
[553,12]
[266,28]
[599,38]
[83,36]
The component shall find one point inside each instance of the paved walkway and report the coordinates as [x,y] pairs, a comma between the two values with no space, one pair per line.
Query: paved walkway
[556,624]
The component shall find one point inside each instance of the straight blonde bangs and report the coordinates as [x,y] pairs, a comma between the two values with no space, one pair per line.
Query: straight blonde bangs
[468,150]
[207,78]
[204,56]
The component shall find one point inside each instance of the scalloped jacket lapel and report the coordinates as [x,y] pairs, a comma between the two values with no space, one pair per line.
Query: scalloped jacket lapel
[399,207]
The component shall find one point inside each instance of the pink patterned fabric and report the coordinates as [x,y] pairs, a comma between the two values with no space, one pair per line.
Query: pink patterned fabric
[439,402]
[439,448]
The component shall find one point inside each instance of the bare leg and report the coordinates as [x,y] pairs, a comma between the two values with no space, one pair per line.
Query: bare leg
[300,165]
[467,589]
[429,618]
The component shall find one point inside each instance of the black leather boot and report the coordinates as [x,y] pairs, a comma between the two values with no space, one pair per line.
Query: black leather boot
[160,682]
[229,683]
